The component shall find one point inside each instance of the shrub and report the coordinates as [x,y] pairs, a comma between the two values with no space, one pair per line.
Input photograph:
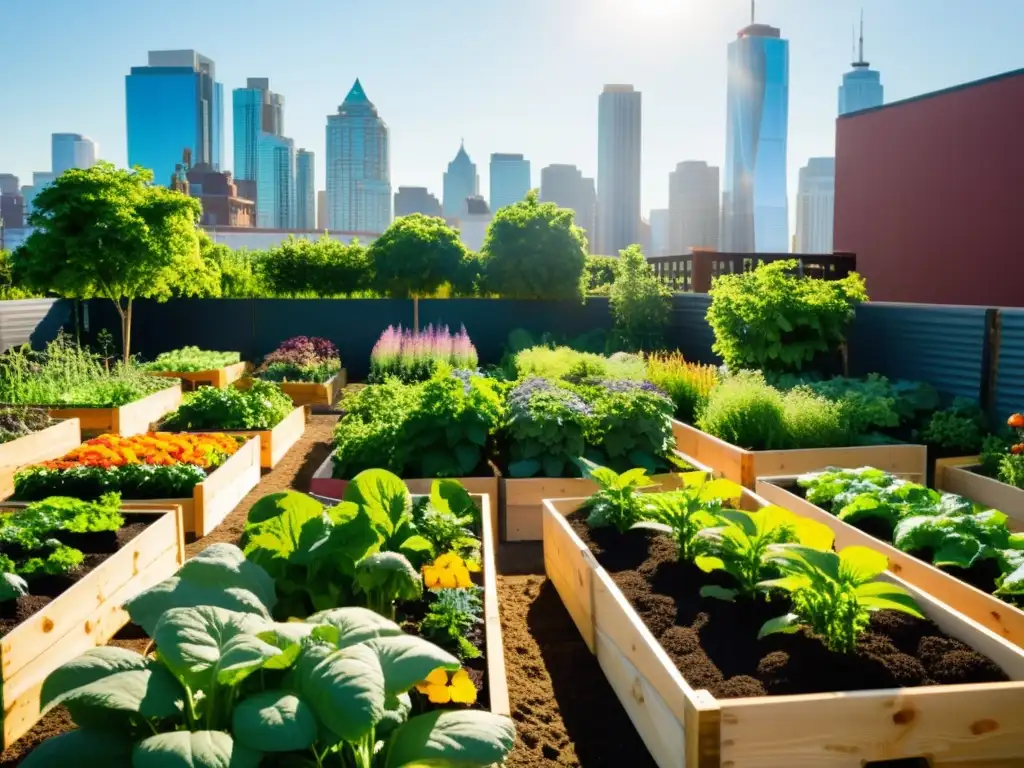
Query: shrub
[262,406]
[546,428]
[189,359]
[688,384]
[640,303]
[745,411]
[415,256]
[413,356]
[961,427]
[368,436]
[631,425]
[18,421]
[564,362]
[771,320]
[813,421]
[600,274]
[324,267]
[301,358]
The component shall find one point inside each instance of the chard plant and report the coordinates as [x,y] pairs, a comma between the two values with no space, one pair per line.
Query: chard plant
[618,501]
[833,594]
[740,544]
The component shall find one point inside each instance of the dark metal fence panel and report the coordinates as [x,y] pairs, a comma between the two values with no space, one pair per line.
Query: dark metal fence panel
[942,345]
[1010,375]
[32,321]
[689,331]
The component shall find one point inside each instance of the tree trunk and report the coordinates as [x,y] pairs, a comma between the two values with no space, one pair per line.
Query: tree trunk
[416,313]
[125,314]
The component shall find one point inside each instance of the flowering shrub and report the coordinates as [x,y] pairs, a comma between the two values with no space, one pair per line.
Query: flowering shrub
[632,423]
[302,358]
[688,384]
[413,356]
[150,466]
[546,428]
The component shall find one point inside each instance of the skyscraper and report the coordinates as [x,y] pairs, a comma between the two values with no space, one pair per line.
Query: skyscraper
[460,181]
[618,168]
[409,200]
[305,191]
[71,150]
[275,182]
[862,86]
[660,232]
[755,207]
[255,109]
[173,104]
[510,180]
[40,179]
[9,184]
[566,187]
[815,206]
[358,166]
[693,207]
[321,210]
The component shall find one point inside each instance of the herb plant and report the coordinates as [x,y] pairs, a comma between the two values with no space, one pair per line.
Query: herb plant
[618,501]
[565,362]
[18,421]
[452,615]
[448,520]
[191,359]
[688,384]
[833,594]
[262,406]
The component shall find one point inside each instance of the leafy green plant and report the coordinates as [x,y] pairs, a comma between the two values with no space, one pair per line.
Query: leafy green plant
[740,544]
[961,427]
[448,520]
[386,502]
[262,406]
[132,481]
[631,424]
[600,272]
[641,304]
[18,421]
[452,615]
[618,501]
[59,561]
[546,428]
[564,362]
[683,514]
[384,578]
[770,319]
[370,433]
[31,526]
[833,594]
[688,384]
[191,359]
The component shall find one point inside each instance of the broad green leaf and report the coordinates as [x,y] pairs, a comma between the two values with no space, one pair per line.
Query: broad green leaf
[456,738]
[523,468]
[345,688]
[274,721]
[417,547]
[298,507]
[719,593]
[813,534]
[83,747]
[708,564]
[957,550]
[353,625]
[858,565]
[147,607]
[468,456]
[285,527]
[406,660]
[787,624]
[109,679]
[720,489]
[390,575]
[1013,582]
[193,749]
[635,478]
[208,645]
[383,496]
[696,478]
[807,559]
[225,566]
[881,595]
[790,583]
[351,538]
[450,496]
[396,712]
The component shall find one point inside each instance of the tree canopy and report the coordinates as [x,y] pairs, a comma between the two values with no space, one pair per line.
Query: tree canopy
[533,250]
[415,256]
[640,303]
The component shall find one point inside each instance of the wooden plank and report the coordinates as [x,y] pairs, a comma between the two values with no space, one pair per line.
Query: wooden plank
[570,568]
[991,612]
[225,487]
[91,421]
[275,442]
[726,459]
[50,443]
[136,418]
[497,680]
[959,476]
[313,393]
[86,615]
[213,377]
[524,500]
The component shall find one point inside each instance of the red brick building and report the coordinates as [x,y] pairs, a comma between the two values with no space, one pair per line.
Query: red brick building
[218,193]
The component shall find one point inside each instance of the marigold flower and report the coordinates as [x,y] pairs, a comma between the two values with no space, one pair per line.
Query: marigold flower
[1016,421]
[156,448]
[447,572]
[439,690]
[1017,449]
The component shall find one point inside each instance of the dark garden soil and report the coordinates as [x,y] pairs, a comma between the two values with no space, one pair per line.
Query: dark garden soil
[714,643]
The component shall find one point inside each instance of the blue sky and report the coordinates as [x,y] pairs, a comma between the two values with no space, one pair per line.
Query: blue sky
[507,76]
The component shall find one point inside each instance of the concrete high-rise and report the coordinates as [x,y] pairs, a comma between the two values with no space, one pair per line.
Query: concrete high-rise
[255,109]
[305,190]
[755,206]
[9,184]
[358,166]
[173,104]
[566,187]
[661,229]
[71,150]
[460,181]
[510,180]
[618,168]
[693,195]
[815,206]
[409,200]
[275,182]
[862,86]
[40,179]
[321,210]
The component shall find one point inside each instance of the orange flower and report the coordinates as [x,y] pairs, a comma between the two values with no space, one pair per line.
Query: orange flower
[157,448]
[1017,449]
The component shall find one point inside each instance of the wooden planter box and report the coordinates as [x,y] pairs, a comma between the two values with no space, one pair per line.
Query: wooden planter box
[215,377]
[50,443]
[957,476]
[132,419]
[998,616]
[275,442]
[962,726]
[213,499]
[744,467]
[325,484]
[86,615]
[497,682]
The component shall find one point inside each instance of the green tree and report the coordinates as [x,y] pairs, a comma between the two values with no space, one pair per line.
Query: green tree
[324,267]
[600,274]
[640,303]
[534,251]
[109,233]
[415,256]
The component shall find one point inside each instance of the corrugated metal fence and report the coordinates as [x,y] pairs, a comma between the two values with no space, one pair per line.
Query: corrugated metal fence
[32,321]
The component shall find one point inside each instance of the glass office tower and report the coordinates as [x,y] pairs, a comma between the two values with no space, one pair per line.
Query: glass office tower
[275,182]
[755,206]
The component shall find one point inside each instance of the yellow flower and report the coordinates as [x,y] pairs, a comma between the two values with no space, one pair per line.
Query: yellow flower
[439,690]
[447,572]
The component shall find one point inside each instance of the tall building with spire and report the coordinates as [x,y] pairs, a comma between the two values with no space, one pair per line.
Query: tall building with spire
[862,86]
[460,181]
[358,167]
[755,205]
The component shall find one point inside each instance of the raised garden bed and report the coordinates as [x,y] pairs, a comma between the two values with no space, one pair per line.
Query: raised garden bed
[48,443]
[684,724]
[276,441]
[131,419]
[86,614]
[310,393]
[962,476]
[744,467]
[997,615]
[216,377]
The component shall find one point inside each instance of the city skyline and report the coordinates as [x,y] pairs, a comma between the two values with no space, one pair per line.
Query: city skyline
[673,53]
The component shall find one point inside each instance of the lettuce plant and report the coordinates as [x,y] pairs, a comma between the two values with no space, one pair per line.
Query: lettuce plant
[833,594]
[740,544]
[618,501]
[386,502]
[384,578]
